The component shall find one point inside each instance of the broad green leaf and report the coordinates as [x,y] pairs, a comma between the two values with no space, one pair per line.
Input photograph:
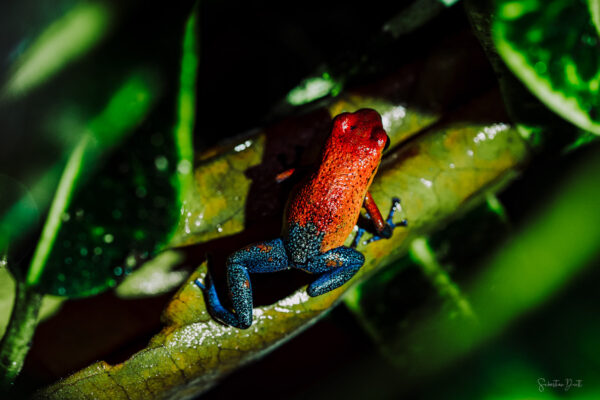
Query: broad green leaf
[88,245]
[123,112]
[51,194]
[553,47]
[436,175]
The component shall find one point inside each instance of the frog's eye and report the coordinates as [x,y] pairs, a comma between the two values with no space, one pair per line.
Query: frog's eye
[387,143]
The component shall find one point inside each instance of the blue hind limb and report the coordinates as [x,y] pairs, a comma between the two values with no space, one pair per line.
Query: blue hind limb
[258,258]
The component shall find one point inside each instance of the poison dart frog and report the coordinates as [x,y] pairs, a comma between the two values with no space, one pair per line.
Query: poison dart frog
[320,214]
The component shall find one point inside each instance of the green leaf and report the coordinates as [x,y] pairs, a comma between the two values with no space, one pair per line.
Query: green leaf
[594,6]
[99,242]
[154,277]
[50,267]
[88,245]
[553,47]
[61,42]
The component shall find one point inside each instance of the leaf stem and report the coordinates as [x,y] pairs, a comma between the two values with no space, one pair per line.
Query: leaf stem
[422,254]
[19,334]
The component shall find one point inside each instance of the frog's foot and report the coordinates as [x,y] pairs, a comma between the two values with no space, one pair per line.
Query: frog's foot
[216,309]
[390,225]
[385,230]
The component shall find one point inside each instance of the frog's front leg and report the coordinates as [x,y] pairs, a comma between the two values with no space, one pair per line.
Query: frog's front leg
[337,266]
[258,258]
[383,227]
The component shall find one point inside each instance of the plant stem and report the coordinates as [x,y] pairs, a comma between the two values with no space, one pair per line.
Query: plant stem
[19,334]
[439,278]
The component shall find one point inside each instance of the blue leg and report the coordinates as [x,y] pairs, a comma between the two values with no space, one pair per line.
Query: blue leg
[359,235]
[387,233]
[258,258]
[385,229]
[337,266]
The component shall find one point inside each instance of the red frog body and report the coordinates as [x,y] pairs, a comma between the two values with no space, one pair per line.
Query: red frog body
[331,198]
[320,215]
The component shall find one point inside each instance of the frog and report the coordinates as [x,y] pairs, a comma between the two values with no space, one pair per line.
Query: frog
[321,213]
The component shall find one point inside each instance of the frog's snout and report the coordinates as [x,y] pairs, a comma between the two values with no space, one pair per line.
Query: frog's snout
[365,123]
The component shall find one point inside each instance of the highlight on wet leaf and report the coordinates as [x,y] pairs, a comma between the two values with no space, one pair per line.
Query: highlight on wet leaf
[314,88]
[553,47]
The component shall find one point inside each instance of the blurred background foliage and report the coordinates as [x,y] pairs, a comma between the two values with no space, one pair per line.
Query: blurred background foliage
[98,105]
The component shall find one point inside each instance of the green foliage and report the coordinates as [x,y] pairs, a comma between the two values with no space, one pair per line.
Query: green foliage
[553,47]
[99,242]
[87,245]
[535,263]
[71,267]
[62,42]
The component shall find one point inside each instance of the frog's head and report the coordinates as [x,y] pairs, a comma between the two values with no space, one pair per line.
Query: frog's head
[361,128]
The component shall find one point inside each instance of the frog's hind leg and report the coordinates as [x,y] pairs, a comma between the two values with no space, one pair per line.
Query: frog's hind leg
[337,266]
[258,258]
